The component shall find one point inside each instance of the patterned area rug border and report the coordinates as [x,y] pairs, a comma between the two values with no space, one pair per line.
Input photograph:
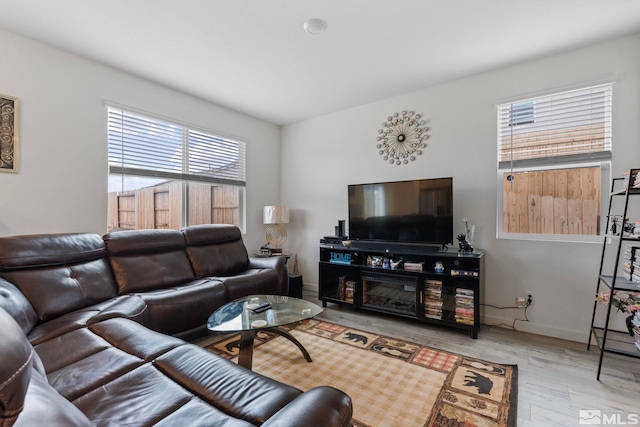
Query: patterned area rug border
[475,393]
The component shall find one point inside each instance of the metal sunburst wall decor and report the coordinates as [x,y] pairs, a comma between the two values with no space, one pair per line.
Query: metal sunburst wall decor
[402,137]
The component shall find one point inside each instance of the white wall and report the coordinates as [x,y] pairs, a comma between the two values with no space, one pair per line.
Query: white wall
[62,181]
[323,155]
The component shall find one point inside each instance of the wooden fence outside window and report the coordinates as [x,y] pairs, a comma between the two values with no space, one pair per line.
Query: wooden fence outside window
[561,201]
[160,206]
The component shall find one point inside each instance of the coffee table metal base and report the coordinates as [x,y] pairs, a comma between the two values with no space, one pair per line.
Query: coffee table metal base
[245,357]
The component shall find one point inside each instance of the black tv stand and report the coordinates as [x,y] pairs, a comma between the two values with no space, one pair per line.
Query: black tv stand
[401,279]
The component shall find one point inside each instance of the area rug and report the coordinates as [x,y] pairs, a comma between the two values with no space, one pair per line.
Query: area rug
[391,382]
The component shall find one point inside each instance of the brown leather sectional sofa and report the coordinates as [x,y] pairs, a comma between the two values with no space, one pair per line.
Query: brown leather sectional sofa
[91,333]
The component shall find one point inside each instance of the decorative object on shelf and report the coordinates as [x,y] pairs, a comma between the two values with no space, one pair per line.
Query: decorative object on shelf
[469,231]
[629,322]
[628,302]
[463,245]
[276,235]
[8,134]
[613,229]
[438,268]
[265,251]
[296,269]
[625,302]
[402,137]
[341,288]
[628,227]
[374,261]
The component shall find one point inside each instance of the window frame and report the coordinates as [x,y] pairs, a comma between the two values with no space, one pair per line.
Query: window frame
[605,180]
[183,177]
[600,159]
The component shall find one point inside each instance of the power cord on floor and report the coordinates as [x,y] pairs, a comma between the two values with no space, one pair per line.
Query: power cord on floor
[513,324]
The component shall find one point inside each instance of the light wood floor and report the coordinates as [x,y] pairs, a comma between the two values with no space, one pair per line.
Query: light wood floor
[557,378]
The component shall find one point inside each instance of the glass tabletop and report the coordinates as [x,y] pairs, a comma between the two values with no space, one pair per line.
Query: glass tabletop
[238,315]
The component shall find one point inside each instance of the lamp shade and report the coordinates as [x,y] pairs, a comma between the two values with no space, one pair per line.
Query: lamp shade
[275,215]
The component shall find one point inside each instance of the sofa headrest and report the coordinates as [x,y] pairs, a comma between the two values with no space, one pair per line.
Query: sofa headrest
[140,242]
[207,234]
[41,250]
[15,370]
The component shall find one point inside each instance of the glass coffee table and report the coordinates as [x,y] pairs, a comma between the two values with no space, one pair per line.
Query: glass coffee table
[255,313]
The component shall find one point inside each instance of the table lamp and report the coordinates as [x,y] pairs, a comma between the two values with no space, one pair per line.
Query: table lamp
[276,235]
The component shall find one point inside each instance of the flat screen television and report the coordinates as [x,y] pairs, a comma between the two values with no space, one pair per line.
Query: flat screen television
[416,211]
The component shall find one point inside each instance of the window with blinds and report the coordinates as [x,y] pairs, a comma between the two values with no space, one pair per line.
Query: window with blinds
[167,175]
[553,156]
[565,127]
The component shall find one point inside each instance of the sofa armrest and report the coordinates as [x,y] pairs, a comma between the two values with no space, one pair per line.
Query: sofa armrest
[128,306]
[277,263]
[17,305]
[321,406]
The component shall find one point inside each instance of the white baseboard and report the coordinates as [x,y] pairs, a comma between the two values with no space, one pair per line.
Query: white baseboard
[310,287]
[530,327]
[536,328]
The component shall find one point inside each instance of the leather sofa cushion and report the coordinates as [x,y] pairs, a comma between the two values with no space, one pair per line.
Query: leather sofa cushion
[58,273]
[169,377]
[125,305]
[183,308]
[67,349]
[215,250]
[92,372]
[135,339]
[57,290]
[250,282]
[197,413]
[141,397]
[223,384]
[49,249]
[101,353]
[144,260]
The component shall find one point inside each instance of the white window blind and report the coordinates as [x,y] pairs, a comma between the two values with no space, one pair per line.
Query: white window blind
[566,127]
[146,146]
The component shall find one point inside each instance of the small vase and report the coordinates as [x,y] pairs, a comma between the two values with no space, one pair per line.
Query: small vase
[630,324]
[470,232]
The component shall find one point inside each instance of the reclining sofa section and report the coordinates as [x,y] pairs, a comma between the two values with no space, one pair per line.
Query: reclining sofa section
[90,329]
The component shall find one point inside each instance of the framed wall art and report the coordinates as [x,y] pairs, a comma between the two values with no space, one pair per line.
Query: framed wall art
[8,134]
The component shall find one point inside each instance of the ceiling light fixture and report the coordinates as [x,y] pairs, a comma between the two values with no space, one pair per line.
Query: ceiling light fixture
[315,26]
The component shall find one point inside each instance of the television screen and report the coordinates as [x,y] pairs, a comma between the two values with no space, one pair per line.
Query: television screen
[418,211]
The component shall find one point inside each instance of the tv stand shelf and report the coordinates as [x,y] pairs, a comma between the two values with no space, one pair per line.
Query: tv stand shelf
[376,276]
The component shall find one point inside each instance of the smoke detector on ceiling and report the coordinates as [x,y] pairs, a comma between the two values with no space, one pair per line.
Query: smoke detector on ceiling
[315,26]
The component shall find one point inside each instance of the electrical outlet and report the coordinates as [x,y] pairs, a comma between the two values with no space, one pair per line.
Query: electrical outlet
[521,302]
[529,300]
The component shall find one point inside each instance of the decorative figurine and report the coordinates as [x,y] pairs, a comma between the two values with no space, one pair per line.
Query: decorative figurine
[439,268]
[463,245]
[614,225]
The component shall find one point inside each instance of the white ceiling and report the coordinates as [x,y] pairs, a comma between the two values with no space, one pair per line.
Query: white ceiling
[253,56]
